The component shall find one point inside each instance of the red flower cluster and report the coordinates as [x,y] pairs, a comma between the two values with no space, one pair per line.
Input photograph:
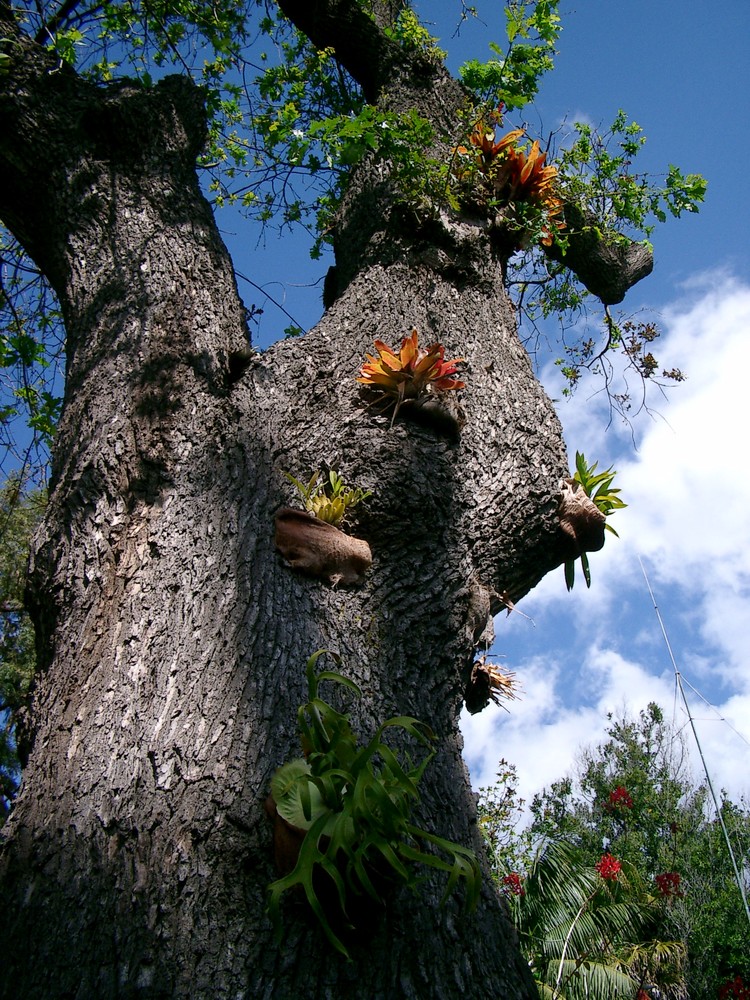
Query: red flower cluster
[668,884]
[608,867]
[734,988]
[512,885]
[618,799]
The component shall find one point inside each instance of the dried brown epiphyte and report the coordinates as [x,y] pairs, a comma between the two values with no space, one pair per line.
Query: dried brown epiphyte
[318,549]
[489,682]
[581,521]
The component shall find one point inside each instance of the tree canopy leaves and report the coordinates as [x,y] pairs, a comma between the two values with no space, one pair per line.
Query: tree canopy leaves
[18,518]
[635,798]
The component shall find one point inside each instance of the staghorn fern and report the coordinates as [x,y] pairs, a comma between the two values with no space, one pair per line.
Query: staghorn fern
[354,805]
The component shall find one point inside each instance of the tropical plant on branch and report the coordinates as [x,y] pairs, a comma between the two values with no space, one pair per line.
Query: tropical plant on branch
[513,178]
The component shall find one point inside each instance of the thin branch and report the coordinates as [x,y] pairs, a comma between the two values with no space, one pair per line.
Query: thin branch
[271,299]
[48,28]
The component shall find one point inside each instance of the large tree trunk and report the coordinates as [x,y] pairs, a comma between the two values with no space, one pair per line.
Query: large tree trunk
[173,637]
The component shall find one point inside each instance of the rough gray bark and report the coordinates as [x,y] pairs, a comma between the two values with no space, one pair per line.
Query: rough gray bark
[606,267]
[172,636]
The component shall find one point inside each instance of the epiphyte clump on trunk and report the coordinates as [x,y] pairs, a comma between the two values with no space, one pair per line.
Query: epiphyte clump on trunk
[414,377]
[316,548]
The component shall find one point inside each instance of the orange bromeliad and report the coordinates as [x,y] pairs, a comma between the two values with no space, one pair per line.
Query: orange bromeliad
[412,372]
[526,177]
[516,175]
[489,150]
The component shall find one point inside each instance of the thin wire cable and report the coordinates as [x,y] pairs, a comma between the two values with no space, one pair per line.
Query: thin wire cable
[678,680]
[713,708]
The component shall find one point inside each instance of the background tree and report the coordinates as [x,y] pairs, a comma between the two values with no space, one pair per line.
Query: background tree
[710,916]
[627,795]
[635,797]
[18,518]
[171,638]
[587,929]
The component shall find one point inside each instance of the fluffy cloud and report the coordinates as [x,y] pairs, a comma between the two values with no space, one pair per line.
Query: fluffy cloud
[687,484]
[541,735]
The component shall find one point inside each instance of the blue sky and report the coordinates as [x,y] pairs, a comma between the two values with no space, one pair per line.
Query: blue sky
[680,69]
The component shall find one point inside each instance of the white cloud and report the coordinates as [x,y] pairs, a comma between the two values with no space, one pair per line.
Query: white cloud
[689,484]
[540,735]
[688,490]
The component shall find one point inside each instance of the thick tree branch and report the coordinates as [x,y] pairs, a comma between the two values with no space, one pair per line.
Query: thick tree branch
[607,268]
[61,136]
[360,44]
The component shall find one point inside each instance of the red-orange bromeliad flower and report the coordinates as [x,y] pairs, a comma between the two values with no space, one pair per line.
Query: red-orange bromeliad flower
[619,799]
[668,884]
[516,175]
[483,139]
[412,372]
[513,885]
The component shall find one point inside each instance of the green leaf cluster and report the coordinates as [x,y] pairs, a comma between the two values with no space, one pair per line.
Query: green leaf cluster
[598,487]
[512,77]
[316,124]
[137,37]
[596,173]
[414,37]
[355,804]
[328,497]
[304,93]
[31,348]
